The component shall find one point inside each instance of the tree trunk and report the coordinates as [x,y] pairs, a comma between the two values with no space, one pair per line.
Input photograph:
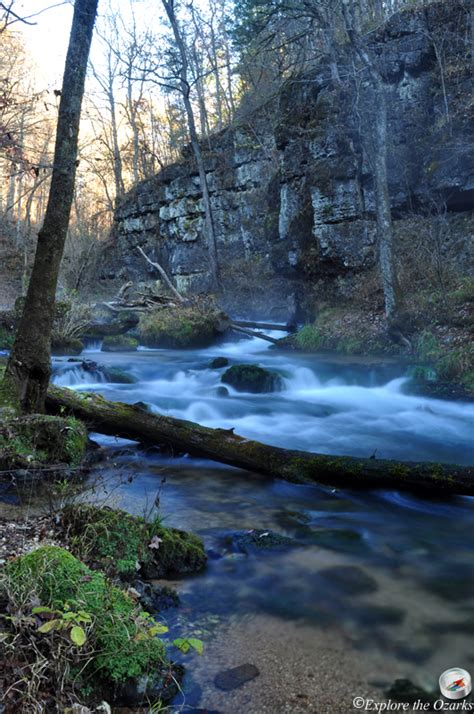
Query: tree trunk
[223,445]
[391,288]
[28,368]
[185,90]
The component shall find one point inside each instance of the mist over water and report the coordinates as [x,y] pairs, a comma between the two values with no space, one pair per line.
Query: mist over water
[335,408]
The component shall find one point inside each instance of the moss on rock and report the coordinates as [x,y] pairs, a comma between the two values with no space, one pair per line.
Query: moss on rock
[119,343]
[67,346]
[121,543]
[39,440]
[251,378]
[180,328]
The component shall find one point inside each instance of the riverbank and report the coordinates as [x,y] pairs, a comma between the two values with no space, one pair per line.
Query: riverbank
[364,583]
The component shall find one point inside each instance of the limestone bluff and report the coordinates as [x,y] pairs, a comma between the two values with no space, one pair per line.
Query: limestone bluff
[291,182]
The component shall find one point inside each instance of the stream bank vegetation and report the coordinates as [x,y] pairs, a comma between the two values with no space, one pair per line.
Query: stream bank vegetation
[78,625]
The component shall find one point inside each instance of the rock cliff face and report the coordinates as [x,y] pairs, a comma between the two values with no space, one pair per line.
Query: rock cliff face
[291,184]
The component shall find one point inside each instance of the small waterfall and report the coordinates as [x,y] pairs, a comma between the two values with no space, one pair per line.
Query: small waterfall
[77,376]
[92,345]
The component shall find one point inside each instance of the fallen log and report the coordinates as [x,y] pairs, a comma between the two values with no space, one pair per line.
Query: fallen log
[222,445]
[261,325]
[253,333]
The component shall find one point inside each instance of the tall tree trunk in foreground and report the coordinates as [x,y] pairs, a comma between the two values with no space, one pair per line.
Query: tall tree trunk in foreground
[391,288]
[169,6]
[28,369]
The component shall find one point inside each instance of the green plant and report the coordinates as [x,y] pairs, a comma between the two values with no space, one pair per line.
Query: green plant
[309,338]
[121,638]
[185,644]
[64,620]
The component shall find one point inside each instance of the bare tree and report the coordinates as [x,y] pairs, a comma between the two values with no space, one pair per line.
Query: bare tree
[385,234]
[185,88]
[28,368]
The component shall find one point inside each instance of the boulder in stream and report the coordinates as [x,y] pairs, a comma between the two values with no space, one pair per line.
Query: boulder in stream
[219,363]
[350,579]
[252,378]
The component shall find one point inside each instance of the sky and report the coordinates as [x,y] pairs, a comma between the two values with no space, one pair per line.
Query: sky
[47,39]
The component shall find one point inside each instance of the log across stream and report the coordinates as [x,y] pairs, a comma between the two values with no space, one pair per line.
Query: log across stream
[180,436]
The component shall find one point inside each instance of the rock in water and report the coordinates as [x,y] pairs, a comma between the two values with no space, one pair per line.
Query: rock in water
[350,578]
[258,540]
[230,679]
[219,362]
[251,378]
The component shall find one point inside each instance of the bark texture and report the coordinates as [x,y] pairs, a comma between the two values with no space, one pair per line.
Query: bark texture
[223,445]
[28,368]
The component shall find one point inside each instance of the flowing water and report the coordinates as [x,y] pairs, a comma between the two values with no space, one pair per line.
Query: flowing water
[380,585]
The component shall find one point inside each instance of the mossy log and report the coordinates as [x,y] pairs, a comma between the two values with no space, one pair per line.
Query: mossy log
[222,445]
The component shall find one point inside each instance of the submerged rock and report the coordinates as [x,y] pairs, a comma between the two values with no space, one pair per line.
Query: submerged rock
[230,679]
[259,540]
[350,578]
[251,378]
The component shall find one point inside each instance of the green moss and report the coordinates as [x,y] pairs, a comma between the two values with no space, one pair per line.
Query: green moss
[251,378]
[314,468]
[120,543]
[7,338]
[119,343]
[39,439]
[121,647]
[180,328]
[309,338]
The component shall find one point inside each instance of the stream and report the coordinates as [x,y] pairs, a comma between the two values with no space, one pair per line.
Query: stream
[380,585]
